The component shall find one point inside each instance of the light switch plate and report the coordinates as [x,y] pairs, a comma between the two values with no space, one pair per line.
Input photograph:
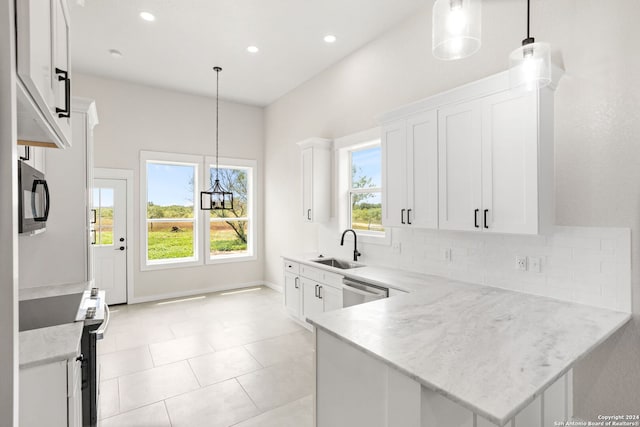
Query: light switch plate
[521,263]
[534,264]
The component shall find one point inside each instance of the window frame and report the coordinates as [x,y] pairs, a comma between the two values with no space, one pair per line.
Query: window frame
[176,159]
[343,148]
[252,167]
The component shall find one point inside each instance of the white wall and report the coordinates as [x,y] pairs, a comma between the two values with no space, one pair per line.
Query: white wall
[135,117]
[8,222]
[596,131]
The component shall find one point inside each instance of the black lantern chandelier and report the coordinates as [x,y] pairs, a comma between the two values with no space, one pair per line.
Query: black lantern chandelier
[216,198]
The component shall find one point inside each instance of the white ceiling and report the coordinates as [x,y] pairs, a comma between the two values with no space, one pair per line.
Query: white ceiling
[189,37]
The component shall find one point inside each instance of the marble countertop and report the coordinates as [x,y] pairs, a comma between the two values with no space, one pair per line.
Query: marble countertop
[47,345]
[491,350]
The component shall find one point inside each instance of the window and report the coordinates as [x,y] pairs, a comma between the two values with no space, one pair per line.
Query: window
[175,232]
[365,192]
[170,217]
[231,231]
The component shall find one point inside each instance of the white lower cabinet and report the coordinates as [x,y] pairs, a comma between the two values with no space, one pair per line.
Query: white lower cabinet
[51,394]
[354,389]
[309,291]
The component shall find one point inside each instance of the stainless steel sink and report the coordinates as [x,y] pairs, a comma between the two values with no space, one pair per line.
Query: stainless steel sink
[337,263]
[51,311]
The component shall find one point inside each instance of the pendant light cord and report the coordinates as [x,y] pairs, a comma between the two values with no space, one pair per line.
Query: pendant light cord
[528,18]
[217,115]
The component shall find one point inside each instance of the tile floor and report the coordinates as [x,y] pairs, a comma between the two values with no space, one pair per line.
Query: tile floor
[224,359]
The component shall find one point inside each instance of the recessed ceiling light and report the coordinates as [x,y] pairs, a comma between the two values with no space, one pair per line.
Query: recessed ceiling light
[253,49]
[330,38]
[148,16]
[115,53]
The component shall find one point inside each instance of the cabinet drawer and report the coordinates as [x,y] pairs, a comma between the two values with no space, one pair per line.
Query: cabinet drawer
[311,273]
[291,267]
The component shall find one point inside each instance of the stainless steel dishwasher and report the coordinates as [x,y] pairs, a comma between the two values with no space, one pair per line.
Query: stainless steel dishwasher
[356,292]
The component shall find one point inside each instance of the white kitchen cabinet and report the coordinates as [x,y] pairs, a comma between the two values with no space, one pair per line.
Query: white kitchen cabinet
[316,179]
[43,66]
[51,392]
[410,172]
[33,156]
[494,160]
[459,150]
[63,253]
[310,291]
[292,289]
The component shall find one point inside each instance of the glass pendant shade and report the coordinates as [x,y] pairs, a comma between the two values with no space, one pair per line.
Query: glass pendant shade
[530,66]
[457,26]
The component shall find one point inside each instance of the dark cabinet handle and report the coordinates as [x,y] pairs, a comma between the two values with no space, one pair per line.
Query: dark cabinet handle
[93,236]
[485,218]
[475,218]
[409,216]
[320,292]
[402,216]
[309,214]
[63,76]
[296,283]
[93,216]
[316,292]
[46,198]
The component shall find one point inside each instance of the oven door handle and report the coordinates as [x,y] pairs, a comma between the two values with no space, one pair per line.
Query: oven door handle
[348,286]
[99,333]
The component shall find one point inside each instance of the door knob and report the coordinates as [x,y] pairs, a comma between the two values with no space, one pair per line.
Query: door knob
[121,248]
[122,239]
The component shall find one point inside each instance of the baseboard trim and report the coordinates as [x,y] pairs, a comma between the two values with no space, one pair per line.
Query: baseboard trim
[274,286]
[194,292]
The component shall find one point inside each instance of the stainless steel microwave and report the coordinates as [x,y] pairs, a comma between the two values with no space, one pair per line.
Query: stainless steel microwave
[33,201]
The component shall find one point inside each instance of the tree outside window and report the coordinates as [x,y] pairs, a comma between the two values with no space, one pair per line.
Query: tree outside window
[365,190]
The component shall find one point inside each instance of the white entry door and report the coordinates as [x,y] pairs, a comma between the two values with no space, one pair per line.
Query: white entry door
[109,236]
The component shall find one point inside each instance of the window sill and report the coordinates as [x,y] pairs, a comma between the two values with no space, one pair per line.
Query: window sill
[178,263]
[225,259]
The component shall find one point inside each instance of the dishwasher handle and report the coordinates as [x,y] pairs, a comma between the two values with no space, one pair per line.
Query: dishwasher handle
[99,333]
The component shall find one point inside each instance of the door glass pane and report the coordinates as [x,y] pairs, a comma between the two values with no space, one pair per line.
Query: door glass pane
[103,208]
[366,211]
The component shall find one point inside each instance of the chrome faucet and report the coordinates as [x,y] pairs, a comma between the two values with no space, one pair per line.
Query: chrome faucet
[356,254]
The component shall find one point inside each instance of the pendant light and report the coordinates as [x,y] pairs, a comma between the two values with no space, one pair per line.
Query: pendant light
[530,64]
[457,26]
[216,198]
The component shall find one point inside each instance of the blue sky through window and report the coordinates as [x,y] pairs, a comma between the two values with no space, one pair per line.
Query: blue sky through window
[368,162]
[169,184]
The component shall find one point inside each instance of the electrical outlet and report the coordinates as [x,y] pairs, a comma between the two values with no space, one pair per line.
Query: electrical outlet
[521,263]
[446,254]
[396,247]
[534,264]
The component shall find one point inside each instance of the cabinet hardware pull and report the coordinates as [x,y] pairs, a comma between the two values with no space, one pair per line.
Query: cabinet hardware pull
[64,77]
[27,154]
[296,283]
[475,218]
[93,216]
[93,236]
[309,214]
[409,216]
[402,216]
[485,218]
[320,292]
[316,291]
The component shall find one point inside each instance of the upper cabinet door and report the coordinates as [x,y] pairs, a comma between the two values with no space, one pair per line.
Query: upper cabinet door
[307,184]
[394,174]
[510,162]
[62,65]
[35,55]
[422,169]
[459,153]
